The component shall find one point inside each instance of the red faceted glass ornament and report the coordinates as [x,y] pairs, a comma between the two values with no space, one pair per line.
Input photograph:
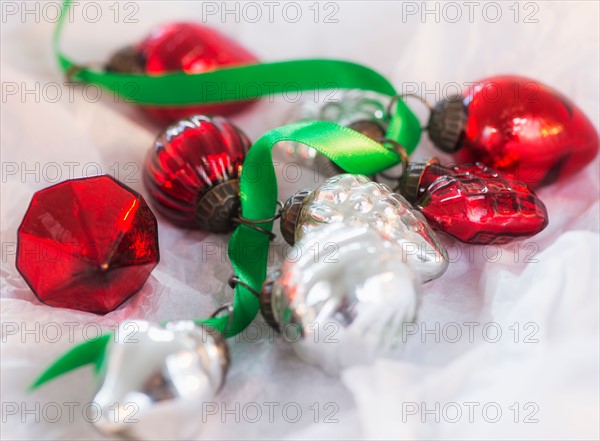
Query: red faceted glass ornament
[183,47]
[87,244]
[474,204]
[515,125]
[192,173]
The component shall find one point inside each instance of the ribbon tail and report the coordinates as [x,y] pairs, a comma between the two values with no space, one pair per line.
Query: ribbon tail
[91,351]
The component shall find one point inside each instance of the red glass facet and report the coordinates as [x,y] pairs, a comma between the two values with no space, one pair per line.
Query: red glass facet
[477,205]
[87,244]
[188,159]
[191,48]
[520,126]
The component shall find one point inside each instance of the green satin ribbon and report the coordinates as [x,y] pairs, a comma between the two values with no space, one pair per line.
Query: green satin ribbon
[248,248]
[90,352]
[228,84]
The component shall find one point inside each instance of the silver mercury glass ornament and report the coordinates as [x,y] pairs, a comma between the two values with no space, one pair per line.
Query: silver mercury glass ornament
[358,201]
[363,111]
[157,379]
[343,298]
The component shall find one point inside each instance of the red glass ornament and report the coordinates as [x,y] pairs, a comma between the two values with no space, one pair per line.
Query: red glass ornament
[87,244]
[192,172]
[183,47]
[474,204]
[515,125]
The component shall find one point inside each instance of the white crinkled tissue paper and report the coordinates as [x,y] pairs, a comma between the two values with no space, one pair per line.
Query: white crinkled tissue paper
[506,344]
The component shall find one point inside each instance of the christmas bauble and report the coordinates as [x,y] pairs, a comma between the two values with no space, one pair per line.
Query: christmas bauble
[87,244]
[157,380]
[474,204]
[182,47]
[192,173]
[358,201]
[515,125]
[344,298]
[360,110]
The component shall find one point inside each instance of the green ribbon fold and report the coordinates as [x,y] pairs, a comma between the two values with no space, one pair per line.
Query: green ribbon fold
[248,248]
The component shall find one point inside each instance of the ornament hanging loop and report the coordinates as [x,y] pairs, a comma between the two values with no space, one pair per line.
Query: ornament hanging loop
[228,308]
[410,185]
[234,280]
[72,71]
[255,223]
[76,69]
[402,96]
[401,151]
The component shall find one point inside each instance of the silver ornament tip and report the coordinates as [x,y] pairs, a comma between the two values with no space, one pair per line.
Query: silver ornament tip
[157,379]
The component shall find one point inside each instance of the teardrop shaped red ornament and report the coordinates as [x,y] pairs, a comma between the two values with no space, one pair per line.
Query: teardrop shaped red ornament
[515,125]
[183,47]
[192,172]
[474,204]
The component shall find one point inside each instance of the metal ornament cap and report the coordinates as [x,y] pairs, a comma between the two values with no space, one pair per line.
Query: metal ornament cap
[345,299]
[159,378]
[447,123]
[266,297]
[128,60]
[371,129]
[217,208]
[412,181]
[290,215]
